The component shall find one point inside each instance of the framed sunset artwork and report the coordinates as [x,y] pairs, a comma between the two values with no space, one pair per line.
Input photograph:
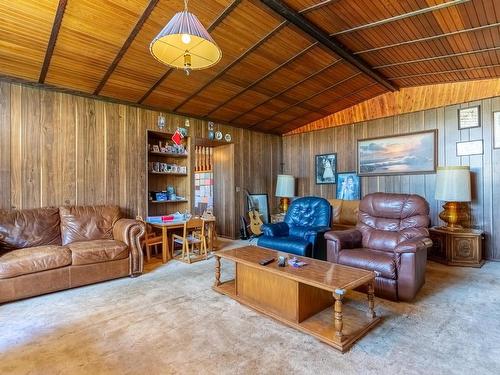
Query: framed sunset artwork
[413,153]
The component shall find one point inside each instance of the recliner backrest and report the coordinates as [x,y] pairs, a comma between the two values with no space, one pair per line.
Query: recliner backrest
[387,219]
[309,212]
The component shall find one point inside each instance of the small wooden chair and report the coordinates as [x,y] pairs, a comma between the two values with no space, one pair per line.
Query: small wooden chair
[151,239]
[193,235]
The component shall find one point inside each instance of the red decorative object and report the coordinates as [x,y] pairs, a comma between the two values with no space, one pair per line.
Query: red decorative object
[177,137]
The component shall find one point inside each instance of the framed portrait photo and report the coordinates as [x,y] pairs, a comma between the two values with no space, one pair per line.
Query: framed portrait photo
[348,186]
[413,153]
[326,168]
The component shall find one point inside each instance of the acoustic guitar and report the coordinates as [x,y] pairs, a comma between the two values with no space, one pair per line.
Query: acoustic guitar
[254,216]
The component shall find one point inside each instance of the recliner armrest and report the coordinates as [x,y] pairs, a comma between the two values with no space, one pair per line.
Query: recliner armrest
[130,232]
[346,239]
[413,245]
[275,230]
[341,240]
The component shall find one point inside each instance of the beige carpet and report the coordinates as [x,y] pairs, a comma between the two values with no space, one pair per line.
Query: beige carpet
[169,321]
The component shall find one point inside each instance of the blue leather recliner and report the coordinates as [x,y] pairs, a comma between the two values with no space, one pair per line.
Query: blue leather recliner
[302,231]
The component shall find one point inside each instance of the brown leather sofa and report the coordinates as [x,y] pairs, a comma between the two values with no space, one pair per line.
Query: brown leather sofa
[48,249]
[344,214]
[391,238]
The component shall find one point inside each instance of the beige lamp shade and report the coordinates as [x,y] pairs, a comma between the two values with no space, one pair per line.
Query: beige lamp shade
[185,34]
[285,186]
[453,184]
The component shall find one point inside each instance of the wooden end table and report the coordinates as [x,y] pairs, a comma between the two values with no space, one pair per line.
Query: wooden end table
[310,298]
[463,247]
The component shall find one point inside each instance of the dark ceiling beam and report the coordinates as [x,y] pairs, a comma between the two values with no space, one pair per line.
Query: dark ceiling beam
[306,99]
[316,33]
[226,12]
[428,38]
[447,71]
[267,75]
[440,57]
[138,26]
[344,97]
[56,26]
[403,16]
[312,75]
[268,36]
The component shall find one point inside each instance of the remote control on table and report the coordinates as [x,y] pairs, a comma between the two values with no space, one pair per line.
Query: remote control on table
[265,262]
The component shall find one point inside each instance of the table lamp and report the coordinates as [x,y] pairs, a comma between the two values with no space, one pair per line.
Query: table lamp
[454,187]
[285,189]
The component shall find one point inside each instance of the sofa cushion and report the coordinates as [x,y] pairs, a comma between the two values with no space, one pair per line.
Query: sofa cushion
[82,223]
[29,228]
[290,244]
[35,259]
[371,260]
[344,212]
[97,251]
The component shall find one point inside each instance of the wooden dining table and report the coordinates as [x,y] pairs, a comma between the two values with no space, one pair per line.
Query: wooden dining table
[165,226]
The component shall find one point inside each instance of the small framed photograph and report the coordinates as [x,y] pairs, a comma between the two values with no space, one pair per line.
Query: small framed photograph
[496,129]
[470,148]
[348,186]
[469,118]
[326,168]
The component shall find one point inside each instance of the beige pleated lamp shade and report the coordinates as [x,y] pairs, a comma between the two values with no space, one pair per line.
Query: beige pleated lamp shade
[453,184]
[285,186]
[185,33]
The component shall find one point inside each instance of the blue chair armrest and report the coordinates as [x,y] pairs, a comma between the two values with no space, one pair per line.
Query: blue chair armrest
[315,236]
[275,230]
[306,232]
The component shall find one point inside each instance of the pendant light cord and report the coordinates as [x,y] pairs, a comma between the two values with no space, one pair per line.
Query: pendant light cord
[186,5]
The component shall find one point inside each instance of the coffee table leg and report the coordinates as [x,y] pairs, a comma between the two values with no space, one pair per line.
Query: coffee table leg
[371,299]
[337,315]
[217,271]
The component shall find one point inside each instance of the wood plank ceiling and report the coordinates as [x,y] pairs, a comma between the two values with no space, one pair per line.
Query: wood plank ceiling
[285,63]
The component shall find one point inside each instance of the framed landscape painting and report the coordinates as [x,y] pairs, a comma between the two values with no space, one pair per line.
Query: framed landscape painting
[413,153]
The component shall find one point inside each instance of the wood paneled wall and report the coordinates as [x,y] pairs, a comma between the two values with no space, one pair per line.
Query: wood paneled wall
[299,151]
[58,148]
[407,100]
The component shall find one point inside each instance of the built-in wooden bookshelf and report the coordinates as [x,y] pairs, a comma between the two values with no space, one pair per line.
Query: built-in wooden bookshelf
[168,167]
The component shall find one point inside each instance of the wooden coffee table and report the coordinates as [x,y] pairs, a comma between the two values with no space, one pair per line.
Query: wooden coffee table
[309,298]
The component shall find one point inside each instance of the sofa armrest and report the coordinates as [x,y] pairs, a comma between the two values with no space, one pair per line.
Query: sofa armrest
[275,230]
[130,232]
[341,240]
[413,245]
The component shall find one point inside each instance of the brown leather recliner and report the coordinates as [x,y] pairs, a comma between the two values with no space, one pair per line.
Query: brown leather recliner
[391,238]
[48,249]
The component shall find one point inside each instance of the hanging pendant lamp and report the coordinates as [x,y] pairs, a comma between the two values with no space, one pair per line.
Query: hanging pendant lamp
[185,44]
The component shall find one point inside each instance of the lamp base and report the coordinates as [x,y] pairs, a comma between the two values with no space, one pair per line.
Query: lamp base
[284,203]
[453,214]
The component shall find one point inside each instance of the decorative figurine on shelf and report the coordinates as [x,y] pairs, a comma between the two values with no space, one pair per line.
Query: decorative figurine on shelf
[211,133]
[171,193]
[161,122]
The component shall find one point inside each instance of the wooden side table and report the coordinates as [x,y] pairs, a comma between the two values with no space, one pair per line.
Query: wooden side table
[457,248]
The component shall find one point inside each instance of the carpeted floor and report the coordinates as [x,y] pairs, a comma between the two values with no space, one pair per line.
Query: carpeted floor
[169,321]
